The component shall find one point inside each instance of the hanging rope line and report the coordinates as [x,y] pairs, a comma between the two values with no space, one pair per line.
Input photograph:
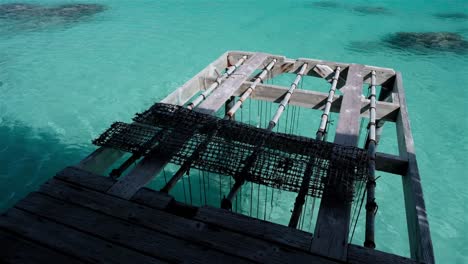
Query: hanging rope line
[371,205]
[250,161]
[238,150]
[230,70]
[300,198]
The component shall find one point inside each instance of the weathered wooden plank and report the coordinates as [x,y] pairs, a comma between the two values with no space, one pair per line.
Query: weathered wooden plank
[142,174]
[85,178]
[416,216]
[291,66]
[16,250]
[316,100]
[360,255]
[190,230]
[332,227]
[216,100]
[102,184]
[254,227]
[121,232]
[291,237]
[69,240]
[100,160]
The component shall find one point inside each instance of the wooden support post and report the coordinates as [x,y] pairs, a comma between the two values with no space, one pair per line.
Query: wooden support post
[416,217]
[153,163]
[332,227]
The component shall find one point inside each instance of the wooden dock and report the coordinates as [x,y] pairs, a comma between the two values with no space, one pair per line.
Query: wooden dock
[83,216]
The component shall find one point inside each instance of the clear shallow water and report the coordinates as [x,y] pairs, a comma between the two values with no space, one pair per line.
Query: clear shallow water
[63,84]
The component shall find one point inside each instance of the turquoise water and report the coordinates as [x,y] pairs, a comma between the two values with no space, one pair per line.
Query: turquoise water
[62,84]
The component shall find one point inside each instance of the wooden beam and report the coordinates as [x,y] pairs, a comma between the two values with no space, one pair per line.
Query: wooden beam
[291,66]
[216,100]
[316,100]
[391,163]
[69,240]
[332,227]
[416,216]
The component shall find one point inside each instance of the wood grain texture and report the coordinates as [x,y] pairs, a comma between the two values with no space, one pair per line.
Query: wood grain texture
[68,240]
[219,96]
[117,231]
[416,217]
[332,227]
[189,230]
[16,250]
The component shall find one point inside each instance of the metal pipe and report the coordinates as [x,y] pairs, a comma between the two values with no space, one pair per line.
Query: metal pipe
[326,112]
[249,90]
[230,70]
[371,205]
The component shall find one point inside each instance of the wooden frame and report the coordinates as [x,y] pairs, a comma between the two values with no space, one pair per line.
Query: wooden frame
[330,240]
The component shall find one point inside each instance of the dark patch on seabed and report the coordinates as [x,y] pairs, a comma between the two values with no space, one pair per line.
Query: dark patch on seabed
[372,10]
[30,16]
[427,41]
[324,4]
[422,43]
[452,16]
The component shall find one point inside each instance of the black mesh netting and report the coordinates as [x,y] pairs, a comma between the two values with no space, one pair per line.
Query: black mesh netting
[239,150]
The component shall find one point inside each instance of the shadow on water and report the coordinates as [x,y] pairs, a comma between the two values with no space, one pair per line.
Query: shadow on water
[19,17]
[362,10]
[28,157]
[419,43]
[452,16]
[372,10]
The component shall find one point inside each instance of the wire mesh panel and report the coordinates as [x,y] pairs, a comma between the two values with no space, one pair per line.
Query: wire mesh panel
[239,150]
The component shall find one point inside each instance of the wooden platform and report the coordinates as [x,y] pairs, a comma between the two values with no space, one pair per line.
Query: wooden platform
[71,219]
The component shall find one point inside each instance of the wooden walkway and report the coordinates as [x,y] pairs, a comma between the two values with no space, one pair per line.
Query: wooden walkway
[71,219]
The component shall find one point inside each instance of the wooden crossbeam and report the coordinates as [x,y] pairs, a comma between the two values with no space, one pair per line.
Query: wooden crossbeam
[332,227]
[316,100]
[292,66]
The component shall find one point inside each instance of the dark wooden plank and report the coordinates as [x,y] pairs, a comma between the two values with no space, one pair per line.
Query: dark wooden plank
[226,89]
[100,160]
[121,232]
[390,163]
[102,184]
[255,227]
[288,236]
[68,240]
[85,178]
[416,216]
[362,255]
[15,249]
[316,100]
[190,230]
[332,227]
